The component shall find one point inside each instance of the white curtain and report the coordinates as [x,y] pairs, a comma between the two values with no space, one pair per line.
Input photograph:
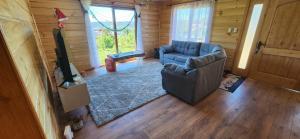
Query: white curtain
[192,21]
[91,36]
[139,37]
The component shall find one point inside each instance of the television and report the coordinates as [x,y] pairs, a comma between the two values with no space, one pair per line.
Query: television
[62,56]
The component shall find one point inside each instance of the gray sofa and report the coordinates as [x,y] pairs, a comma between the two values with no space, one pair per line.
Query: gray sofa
[192,70]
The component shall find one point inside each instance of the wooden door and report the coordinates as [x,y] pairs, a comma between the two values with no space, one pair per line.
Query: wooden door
[278,59]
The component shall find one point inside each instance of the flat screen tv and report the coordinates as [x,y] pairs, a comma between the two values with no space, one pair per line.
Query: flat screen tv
[62,56]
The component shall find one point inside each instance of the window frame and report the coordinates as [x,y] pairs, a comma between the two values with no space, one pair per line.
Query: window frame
[114,21]
[113,8]
[191,6]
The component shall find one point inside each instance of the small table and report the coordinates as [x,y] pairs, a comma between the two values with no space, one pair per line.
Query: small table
[111,60]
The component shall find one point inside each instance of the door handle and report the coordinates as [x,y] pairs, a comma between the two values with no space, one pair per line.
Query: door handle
[258,46]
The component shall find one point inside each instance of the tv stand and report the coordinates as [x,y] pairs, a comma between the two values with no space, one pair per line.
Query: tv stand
[62,84]
[72,94]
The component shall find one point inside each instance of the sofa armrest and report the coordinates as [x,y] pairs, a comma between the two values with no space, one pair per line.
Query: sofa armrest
[209,78]
[192,74]
[163,50]
[166,49]
[180,85]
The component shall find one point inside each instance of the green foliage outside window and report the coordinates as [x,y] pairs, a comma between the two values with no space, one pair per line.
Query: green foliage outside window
[126,40]
[106,43]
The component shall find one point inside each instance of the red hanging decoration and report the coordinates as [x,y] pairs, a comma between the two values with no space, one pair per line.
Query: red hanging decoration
[60,17]
[60,25]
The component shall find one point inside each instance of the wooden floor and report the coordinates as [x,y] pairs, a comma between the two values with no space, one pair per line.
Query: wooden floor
[255,110]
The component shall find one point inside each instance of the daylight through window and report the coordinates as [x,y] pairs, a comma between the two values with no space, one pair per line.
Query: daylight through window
[115,30]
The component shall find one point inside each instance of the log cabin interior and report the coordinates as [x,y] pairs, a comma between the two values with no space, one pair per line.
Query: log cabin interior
[139,69]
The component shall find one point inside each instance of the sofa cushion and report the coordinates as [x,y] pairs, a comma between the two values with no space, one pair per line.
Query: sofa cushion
[170,56]
[189,65]
[207,48]
[186,48]
[168,61]
[177,57]
[216,49]
[166,49]
[197,62]
[219,54]
[181,58]
[175,68]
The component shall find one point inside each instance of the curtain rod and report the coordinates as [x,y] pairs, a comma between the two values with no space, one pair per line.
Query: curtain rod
[187,2]
[134,2]
[115,6]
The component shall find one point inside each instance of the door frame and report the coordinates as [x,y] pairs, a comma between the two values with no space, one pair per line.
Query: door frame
[245,72]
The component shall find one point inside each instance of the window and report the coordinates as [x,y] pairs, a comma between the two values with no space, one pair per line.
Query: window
[192,21]
[115,30]
[250,35]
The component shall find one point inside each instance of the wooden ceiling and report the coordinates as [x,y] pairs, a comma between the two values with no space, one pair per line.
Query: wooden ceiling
[132,1]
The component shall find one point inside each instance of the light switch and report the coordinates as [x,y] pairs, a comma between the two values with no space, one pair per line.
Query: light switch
[229,30]
[235,30]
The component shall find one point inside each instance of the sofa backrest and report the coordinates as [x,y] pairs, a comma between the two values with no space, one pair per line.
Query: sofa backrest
[186,48]
[215,54]
[208,48]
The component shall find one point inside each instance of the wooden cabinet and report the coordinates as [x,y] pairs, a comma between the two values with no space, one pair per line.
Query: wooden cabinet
[75,94]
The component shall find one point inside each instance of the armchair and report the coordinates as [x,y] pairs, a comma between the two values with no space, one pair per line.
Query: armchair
[197,78]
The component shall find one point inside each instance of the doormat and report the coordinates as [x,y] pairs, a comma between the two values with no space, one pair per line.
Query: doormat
[231,82]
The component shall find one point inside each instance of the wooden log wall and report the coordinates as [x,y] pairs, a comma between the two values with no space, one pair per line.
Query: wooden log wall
[150,28]
[75,33]
[14,102]
[75,27]
[19,34]
[228,13]
[164,24]
[155,26]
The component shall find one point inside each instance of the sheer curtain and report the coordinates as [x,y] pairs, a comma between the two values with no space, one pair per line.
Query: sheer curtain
[139,41]
[192,21]
[91,36]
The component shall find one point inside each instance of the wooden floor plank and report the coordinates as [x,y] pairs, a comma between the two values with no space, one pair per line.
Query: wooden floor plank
[256,110]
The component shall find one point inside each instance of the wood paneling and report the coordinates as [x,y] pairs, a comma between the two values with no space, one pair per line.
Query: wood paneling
[228,13]
[150,28]
[155,26]
[75,27]
[282,52]
[20,36]
[75,34]
[164,24]
[284,31]
[116,3]
[256,110]
[17,113]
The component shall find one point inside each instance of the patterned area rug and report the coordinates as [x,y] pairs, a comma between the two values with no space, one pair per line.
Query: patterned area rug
[113,95]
